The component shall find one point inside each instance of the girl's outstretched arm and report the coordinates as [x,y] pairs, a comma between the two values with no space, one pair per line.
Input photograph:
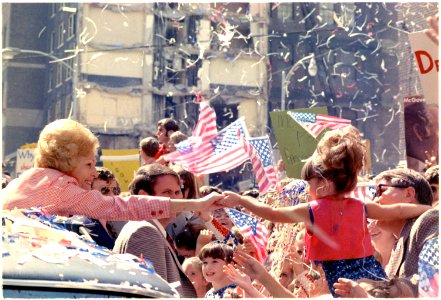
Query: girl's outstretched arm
[291,214]
[392,212]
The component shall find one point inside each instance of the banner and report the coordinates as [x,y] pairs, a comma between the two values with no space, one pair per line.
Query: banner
[295,143]
[421,132]
[123,163]
[426,55]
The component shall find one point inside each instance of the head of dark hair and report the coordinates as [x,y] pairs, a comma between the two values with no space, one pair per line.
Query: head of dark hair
[150,146]
[218,250]
[339,158]
[105,174]
[208,189]
[406,177]
[432,174]
[188,236]
[252,193]
[188,182]
[169,124]
[146,177]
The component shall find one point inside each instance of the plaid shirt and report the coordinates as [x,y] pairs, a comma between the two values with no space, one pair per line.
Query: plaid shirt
[60,194]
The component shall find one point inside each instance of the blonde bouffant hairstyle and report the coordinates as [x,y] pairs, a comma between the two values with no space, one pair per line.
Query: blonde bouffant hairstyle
[339,158]
[61,143]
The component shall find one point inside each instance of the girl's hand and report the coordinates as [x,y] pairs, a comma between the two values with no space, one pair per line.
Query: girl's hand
[231,199]
[209,202]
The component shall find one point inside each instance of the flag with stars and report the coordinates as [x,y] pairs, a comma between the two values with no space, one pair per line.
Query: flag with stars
[259,150]
[251,229]
[316,123]
[221,153]
[428,269]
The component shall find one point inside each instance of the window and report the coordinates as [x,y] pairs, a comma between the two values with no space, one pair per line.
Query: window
[52,42]
[284,11]
[53,9]
[70,26]
[57,114]
[67,107]
[327,13]
[346,14]
[51,80]
[69,71]
[59,74]
[60,35]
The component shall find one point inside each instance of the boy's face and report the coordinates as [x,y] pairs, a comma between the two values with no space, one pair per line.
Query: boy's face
[212,269]
[195,275]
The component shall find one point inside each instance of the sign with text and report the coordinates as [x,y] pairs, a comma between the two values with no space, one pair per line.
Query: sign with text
[426,55]
[295,143]
[25,160]
[123,163]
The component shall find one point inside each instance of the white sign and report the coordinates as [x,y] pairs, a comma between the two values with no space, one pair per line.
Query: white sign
[426,55]
[25,160]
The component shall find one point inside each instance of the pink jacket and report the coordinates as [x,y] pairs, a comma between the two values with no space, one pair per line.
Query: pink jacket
[60,194]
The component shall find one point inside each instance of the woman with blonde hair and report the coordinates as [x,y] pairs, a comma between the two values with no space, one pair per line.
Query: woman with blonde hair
[62,176]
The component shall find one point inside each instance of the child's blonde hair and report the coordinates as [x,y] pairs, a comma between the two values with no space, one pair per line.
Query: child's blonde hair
[339,158]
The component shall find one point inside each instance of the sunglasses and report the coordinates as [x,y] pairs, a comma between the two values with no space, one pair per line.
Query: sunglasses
[383,187]
[106,190]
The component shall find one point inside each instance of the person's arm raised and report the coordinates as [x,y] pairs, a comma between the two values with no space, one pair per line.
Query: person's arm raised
[291,214]
[203,204]
[253,268]
[398,211]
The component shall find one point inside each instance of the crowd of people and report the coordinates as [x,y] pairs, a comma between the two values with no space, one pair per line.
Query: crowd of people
[321,242]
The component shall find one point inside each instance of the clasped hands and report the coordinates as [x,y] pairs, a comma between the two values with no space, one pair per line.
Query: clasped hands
[215,201]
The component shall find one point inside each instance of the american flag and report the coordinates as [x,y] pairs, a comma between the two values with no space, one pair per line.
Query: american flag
[205,128]
[251,229]
[316,123]
[220,153]
[259,150]
[363,193]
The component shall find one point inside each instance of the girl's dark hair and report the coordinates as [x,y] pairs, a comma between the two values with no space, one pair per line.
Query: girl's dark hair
[339,158]
[188,237]
[218,250]
[208,189]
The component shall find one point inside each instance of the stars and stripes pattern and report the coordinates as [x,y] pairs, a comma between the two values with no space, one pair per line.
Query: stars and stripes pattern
[314,124]
[220,153]
[205,128]
[363,192]
[251,229]
[428,269]
[259,151]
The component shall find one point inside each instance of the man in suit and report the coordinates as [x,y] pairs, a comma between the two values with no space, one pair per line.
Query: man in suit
[148,238]
[407,186]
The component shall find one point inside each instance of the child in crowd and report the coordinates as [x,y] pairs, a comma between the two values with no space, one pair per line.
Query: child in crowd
[192,267]
[336,227]
[216,259]
[148,148]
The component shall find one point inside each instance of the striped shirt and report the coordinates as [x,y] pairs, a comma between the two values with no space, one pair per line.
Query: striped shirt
[60,194]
